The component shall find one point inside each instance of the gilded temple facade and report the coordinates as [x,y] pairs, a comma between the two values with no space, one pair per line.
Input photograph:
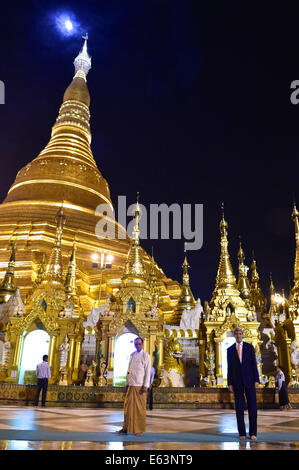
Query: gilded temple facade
[84,315]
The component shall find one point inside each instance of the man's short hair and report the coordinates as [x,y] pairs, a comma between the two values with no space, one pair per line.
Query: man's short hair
[138,337]
[237,329]
[45,356]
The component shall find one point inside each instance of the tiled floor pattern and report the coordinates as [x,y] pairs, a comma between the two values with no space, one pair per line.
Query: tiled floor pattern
[16,422]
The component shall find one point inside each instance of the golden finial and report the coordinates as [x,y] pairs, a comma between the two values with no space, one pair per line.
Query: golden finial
[8,285]
[134,267]
[186,300]
[272,288]
[70,280]
[243,282]
[54,270]
[223,223]
[82,62]
[225,275]
[137,212]
[153,285]
[254,274]
[295,217]
[241,255]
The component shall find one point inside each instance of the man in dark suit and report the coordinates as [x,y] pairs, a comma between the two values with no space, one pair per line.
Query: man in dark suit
[243,377]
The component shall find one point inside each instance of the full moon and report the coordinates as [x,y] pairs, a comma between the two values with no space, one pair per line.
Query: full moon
[69,25]
[66,23]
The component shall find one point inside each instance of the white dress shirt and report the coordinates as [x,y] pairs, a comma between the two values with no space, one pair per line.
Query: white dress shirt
[43,370]
[237,346]
[139,369]
[279,379]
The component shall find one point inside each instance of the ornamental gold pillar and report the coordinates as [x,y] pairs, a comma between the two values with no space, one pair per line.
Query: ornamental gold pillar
[51,353]
[105,353]
[161,352]
[71,358]
[146,345]
[76,360]
[288,373]
[110,359]
[17,352]
[152,341]
[219,375]
[13,369]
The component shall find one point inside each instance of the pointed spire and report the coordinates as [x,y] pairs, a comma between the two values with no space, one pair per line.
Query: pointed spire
[185,267]
[54,269]
[66,165]
[134,267]
[243,282]
[225,275]
[137,215]
[70,280]
[153,284]
[272,288]
[295,217]
[186,300]
[8,285]
[82,62]
[254,274]
[256,295]
[274,309]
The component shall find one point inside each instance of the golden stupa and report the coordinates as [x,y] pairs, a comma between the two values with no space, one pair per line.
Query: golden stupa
[65,172]
[48,241]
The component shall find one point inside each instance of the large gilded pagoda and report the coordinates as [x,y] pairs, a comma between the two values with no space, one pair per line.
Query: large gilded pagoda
[49,285]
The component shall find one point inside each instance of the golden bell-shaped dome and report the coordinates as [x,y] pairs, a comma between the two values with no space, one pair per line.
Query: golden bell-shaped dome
[78,91]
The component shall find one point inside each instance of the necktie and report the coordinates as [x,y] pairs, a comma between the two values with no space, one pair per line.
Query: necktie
[239,351]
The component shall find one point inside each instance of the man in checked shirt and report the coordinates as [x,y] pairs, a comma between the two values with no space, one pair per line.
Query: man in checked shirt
[43,374]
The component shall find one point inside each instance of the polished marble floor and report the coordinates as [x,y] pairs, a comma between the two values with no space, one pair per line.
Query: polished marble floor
[30,428]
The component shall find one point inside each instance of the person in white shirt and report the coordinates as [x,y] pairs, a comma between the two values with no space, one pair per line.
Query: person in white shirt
[43,373]
[138,381]
[284,402]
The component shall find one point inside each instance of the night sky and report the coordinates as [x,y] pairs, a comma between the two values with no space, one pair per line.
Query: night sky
[190,103]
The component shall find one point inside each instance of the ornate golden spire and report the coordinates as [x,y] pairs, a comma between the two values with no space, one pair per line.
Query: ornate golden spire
[65,169]
[8,285]
[134,267]
[225,276]
[274,310]
[243,282]
[186,300]
[54,269]
[294,295]
[295,217]
[70,280]
[256,295]
[153,280]
[254,274]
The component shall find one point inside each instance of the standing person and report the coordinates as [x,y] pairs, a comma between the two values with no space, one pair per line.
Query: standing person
[82,373]
[138,381]
[151,391]
[284,402]
[243,377]
[43,374]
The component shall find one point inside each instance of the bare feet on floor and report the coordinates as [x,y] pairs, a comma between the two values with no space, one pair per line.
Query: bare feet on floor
[253,438]
[121,431]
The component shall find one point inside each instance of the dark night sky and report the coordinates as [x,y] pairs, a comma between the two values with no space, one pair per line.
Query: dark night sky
[190,103]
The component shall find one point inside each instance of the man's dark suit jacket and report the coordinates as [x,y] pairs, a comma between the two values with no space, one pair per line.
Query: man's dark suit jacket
[243,374]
